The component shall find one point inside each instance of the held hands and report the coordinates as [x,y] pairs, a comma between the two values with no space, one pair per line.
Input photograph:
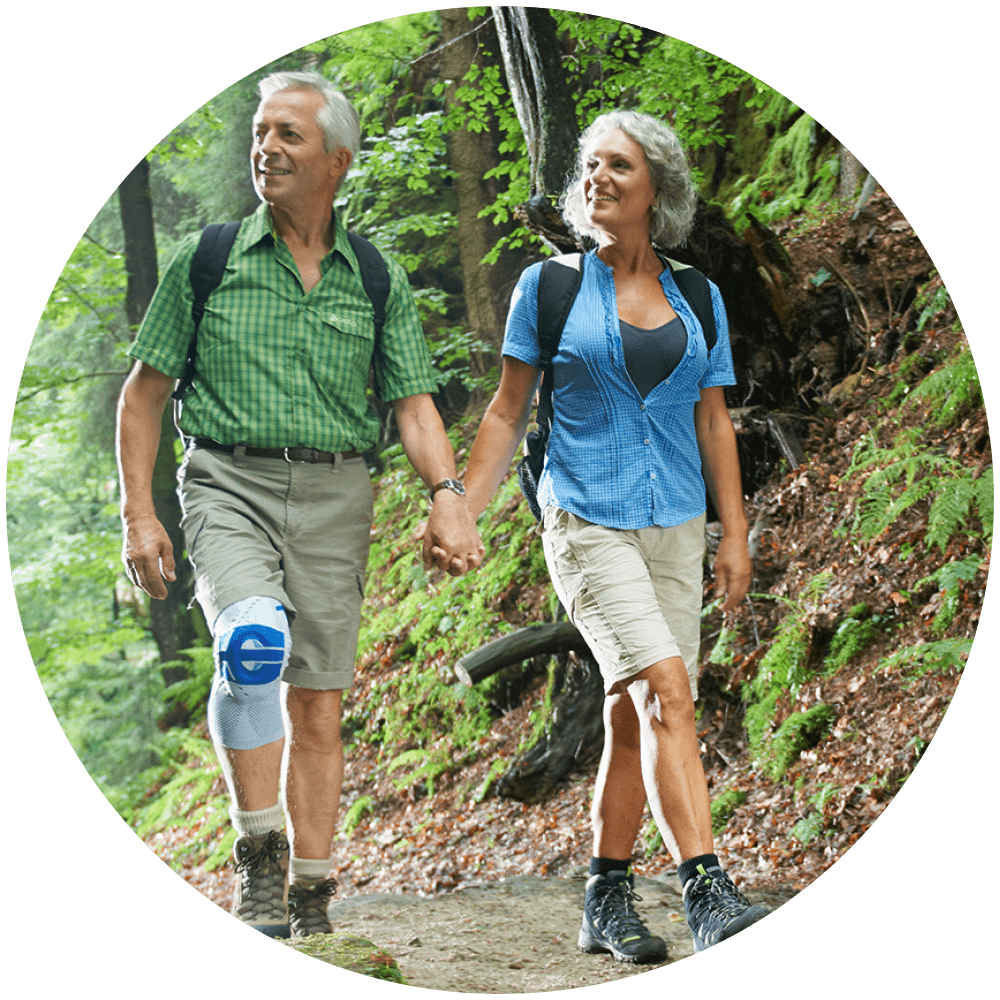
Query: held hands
[148,555]
[450,539]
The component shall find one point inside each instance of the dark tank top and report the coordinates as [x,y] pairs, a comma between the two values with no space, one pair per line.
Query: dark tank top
[651,355]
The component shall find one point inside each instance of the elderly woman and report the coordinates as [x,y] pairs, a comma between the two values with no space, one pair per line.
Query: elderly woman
[640,429]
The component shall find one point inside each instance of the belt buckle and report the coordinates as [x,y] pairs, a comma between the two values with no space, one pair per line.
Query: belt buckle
[311,452]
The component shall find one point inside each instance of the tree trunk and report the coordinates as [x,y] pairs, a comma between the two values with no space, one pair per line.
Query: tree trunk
[573,736]
[486,289]
[170,619]
[546,110]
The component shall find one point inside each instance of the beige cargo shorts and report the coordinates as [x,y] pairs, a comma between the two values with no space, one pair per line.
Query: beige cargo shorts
[635,595]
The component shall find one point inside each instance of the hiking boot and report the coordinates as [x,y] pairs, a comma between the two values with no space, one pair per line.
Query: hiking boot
[716,909]
[262,871]
[610,922]
[307,908]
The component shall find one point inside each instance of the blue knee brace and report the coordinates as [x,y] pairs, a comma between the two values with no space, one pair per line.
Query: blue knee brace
[251,646]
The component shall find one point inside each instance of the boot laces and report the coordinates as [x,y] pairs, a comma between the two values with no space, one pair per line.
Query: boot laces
[616,911]
[266,859]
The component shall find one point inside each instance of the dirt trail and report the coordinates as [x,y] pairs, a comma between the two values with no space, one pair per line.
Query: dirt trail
[517,935]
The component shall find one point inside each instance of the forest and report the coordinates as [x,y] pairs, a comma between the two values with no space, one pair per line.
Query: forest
[873,527]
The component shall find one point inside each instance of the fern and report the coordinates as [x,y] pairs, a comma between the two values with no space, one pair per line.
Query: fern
[950,389]
[785,667]
[907,473]
[929,657]
[430,765]
[959,499]
[949,579]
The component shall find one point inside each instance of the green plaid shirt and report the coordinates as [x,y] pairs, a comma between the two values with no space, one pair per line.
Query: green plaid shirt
[278,368]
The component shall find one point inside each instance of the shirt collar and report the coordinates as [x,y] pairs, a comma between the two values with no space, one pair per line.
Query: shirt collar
[259,228]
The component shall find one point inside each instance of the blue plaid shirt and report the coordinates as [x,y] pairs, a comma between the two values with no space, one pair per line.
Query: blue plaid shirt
[615,458]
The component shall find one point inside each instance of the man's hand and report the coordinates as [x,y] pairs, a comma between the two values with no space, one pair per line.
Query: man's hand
[450,539]
[148,555]
[733,571]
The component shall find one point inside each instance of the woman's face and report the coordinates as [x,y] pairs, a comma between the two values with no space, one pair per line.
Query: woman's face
[618,191]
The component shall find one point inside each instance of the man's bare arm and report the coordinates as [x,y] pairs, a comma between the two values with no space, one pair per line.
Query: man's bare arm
[146,551]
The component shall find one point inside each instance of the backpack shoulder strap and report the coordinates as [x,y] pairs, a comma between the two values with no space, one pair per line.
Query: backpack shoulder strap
[207,268]
[558,283]
[695,288]
[374,276]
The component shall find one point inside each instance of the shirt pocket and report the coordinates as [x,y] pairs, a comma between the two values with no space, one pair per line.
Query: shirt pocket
[341,344]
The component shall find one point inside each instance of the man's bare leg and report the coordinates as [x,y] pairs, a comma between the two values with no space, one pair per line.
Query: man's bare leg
[253,777]
[314,769]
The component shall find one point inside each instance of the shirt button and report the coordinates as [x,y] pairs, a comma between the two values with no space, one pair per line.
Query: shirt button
[642,406]
[652,475]
[645,441]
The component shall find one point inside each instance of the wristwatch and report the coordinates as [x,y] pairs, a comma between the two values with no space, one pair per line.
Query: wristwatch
[454,485]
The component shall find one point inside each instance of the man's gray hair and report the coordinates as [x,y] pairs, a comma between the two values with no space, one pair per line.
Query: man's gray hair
[673,213]
[337,117]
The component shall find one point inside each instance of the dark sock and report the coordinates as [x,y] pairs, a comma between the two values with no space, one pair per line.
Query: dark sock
[604,866]
[688,869]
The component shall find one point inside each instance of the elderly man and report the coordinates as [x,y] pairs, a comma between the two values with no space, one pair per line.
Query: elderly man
[276,498]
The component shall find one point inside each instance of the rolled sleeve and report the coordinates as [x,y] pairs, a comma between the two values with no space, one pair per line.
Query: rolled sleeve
[720,358]
[167,329]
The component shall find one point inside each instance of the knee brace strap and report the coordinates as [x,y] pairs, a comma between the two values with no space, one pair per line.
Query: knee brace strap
[251,646]
[252,641]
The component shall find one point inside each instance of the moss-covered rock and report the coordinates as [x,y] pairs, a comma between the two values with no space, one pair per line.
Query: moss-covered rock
[350,952]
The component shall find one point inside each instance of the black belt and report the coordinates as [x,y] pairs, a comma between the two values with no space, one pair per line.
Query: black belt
[308,455]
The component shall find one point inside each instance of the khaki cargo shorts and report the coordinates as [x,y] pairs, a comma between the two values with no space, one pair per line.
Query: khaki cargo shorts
[635,595]
[296,532]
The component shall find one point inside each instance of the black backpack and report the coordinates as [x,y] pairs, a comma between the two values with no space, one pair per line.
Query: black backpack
[209,264]
[558,284]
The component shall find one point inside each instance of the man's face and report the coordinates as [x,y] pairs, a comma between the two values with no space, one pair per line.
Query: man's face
[291,169]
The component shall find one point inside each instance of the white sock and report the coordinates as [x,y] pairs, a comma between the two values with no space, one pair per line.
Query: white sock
[257,822]
[308,870]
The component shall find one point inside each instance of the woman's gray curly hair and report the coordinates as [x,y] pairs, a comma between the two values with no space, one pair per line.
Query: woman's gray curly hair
[673,213]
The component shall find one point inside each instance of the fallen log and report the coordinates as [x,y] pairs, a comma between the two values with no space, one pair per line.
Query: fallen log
[524,644]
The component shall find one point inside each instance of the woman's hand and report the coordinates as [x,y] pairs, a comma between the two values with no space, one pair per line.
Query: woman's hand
[733,571]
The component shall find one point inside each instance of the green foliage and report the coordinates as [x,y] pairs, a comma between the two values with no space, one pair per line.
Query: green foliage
[798,732]
[723,807]
[854,634]
[783,670]
[949,391]
[722,651]
[424,720]
[790,177]
[188,797]
[785,665]
[943,656]
[949,579]
[425,765]
[659,75]
[931,392]
[360,808]
[811,826]
[199,664]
